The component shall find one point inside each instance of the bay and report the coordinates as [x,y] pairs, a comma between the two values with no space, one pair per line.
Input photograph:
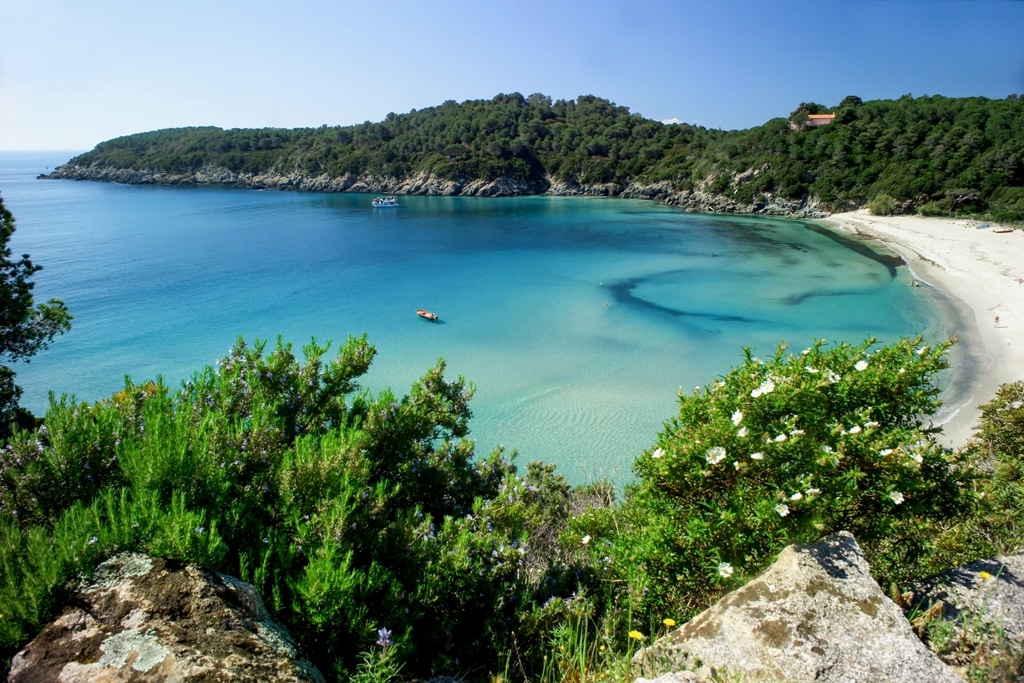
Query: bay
[578,319]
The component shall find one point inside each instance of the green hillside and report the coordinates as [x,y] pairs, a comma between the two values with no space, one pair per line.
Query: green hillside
[930,154]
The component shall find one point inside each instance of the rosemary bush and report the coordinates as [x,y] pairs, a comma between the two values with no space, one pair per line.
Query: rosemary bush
[349,513]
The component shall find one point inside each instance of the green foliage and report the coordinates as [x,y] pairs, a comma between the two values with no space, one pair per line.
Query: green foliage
[390,551]
[25,327]
[997,453]
[882,205]
[1000,432]
[917,151]
[345,511]
[788,450]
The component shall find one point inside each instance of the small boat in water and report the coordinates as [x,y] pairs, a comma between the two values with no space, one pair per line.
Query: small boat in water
[385,202]
[426,315]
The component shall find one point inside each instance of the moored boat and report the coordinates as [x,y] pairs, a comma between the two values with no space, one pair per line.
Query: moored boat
[426,315]
[385,202]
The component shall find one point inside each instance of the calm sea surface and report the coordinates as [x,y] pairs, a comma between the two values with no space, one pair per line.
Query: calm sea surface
[577,319]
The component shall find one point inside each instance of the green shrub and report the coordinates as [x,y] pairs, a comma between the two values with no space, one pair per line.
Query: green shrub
[996,451]
[788,450]
[349,513]
[882,205]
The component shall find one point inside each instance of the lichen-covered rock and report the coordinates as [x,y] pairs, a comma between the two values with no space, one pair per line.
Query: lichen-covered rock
[982,605]
[815,615]
[145,619]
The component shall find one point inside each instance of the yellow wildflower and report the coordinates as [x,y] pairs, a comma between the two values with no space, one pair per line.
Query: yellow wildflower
[669,622]
[636,635]
[985,575]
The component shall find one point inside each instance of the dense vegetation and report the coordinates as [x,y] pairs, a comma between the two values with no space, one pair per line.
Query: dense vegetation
[933,154]
[353,513]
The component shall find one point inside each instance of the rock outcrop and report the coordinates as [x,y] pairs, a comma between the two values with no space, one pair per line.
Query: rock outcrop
[982,607]
[429,184]
[815,615]
[144,619]
[418,183]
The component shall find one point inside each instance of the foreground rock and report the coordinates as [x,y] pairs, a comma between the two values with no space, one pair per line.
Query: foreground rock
[144,619]
[974,615]
[815,615]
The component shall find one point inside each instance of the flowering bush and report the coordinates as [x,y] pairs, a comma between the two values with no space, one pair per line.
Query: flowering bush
[788,450]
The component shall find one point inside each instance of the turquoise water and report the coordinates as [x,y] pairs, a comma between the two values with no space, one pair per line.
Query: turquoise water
[578,319]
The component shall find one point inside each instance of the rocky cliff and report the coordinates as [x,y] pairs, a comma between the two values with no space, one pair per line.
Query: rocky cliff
[697,200]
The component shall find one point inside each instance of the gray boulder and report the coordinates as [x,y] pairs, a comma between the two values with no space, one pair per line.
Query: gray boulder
[145,619]
[974,615]
[815,615]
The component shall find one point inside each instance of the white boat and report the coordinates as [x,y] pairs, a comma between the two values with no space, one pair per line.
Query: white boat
[385,202]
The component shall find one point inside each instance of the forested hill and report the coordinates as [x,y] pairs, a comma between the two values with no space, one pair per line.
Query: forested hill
[930,154]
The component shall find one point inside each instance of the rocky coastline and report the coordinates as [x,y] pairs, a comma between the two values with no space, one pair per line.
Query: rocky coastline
[428,184]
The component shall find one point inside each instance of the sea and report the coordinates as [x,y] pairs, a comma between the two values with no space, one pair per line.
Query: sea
[578,320]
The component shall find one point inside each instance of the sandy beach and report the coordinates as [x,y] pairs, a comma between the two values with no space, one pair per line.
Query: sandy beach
[981,267]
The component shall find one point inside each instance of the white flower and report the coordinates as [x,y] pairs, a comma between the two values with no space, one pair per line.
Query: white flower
[903,371]
[855,429]
[885,452]
[737,417]
[735,464]
[861,365]
[917,457]
[825,448]
[780,438]
[813,492]
[923,350]
[832,377]
[782,509]
[797,496]
[805,351]
[766,387]
[715,455]
[811,370]
[585,540]
[724,570]
[871,425]
[797,432]
[757,456]
[742,432]
[658,452]
[896,497]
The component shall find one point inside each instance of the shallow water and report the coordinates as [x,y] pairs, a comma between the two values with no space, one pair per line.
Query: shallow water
[577,319]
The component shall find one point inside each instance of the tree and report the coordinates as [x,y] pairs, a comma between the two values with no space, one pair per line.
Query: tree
[25,327]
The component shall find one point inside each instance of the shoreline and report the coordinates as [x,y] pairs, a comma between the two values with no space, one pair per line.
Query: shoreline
[982,271]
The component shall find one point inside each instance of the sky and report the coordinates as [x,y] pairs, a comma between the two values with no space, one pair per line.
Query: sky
[74,73]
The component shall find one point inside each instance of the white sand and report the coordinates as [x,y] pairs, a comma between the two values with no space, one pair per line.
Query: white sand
[982,268]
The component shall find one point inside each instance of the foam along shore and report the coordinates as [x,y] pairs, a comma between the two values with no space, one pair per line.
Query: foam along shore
[981,265]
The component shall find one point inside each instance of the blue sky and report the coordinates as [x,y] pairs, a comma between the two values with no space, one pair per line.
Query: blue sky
[76,72]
